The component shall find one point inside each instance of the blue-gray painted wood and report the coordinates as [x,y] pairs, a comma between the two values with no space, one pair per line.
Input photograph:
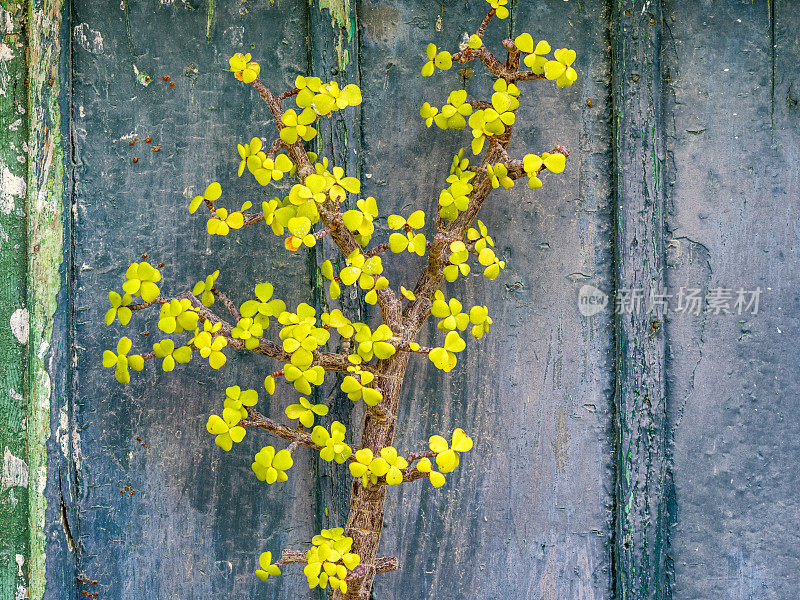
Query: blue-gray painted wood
[530,513]
[640,407]
[733,222]
[147,523]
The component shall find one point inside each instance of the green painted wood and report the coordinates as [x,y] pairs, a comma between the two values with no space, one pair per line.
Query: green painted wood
[640,402]
[14,541]
[31,221]
[45,214]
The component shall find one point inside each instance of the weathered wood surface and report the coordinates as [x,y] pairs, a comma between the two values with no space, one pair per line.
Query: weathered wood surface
[13,309]
[31,253]
[613,459]
[642,478]
[528,515]
[733,208]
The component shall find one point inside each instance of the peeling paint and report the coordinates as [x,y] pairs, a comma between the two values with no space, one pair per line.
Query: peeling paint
[20,326]
[14,456]
[15,471]
[45,210]
[11,187]
[344,26]
[69,439]
[88,39]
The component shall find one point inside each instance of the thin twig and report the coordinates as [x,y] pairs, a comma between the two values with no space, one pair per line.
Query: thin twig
[288,94]
[479,104]
[327,360]
[252,218]
[499,147]
[295,436]
[377,250]
[406,347]
[414,456]
[527,76]
[227,302]
[275,147]
[384,564]
[516,168]
[292,556]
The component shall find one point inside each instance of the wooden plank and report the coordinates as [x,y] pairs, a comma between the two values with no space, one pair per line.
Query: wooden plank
[641,457]
[526,514]
[193,519]
[733,224]
[13,310]
[180,533]
[334,56]
[45,212]
[32,187]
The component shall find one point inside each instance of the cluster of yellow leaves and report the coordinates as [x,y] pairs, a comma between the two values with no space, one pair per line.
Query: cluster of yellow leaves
[559,69]
[493,121]
[455,199]
[409,240]
[446,455]
[436,60]
[243,68]
[264,169]
[533,163]
[370,468]
[221,221]
[330,559]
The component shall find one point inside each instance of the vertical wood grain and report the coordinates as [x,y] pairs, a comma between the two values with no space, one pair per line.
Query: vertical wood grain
[641,457]
[14,314]
[733,220]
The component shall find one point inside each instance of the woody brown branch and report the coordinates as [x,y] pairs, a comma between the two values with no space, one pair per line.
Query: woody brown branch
[328,210]
[383,564]
[295,436]
[327,360]
[227,302]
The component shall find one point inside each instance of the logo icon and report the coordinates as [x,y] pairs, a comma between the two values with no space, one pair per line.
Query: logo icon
[591,300]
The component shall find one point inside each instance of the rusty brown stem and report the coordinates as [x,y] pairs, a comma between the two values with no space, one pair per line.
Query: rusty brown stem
[276,146]
[328,210]
[222,297]
[327,360]
[295,436]
[499,147]
[377,250]
[252,218]
[479,104]
[383,564]
[288,94]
